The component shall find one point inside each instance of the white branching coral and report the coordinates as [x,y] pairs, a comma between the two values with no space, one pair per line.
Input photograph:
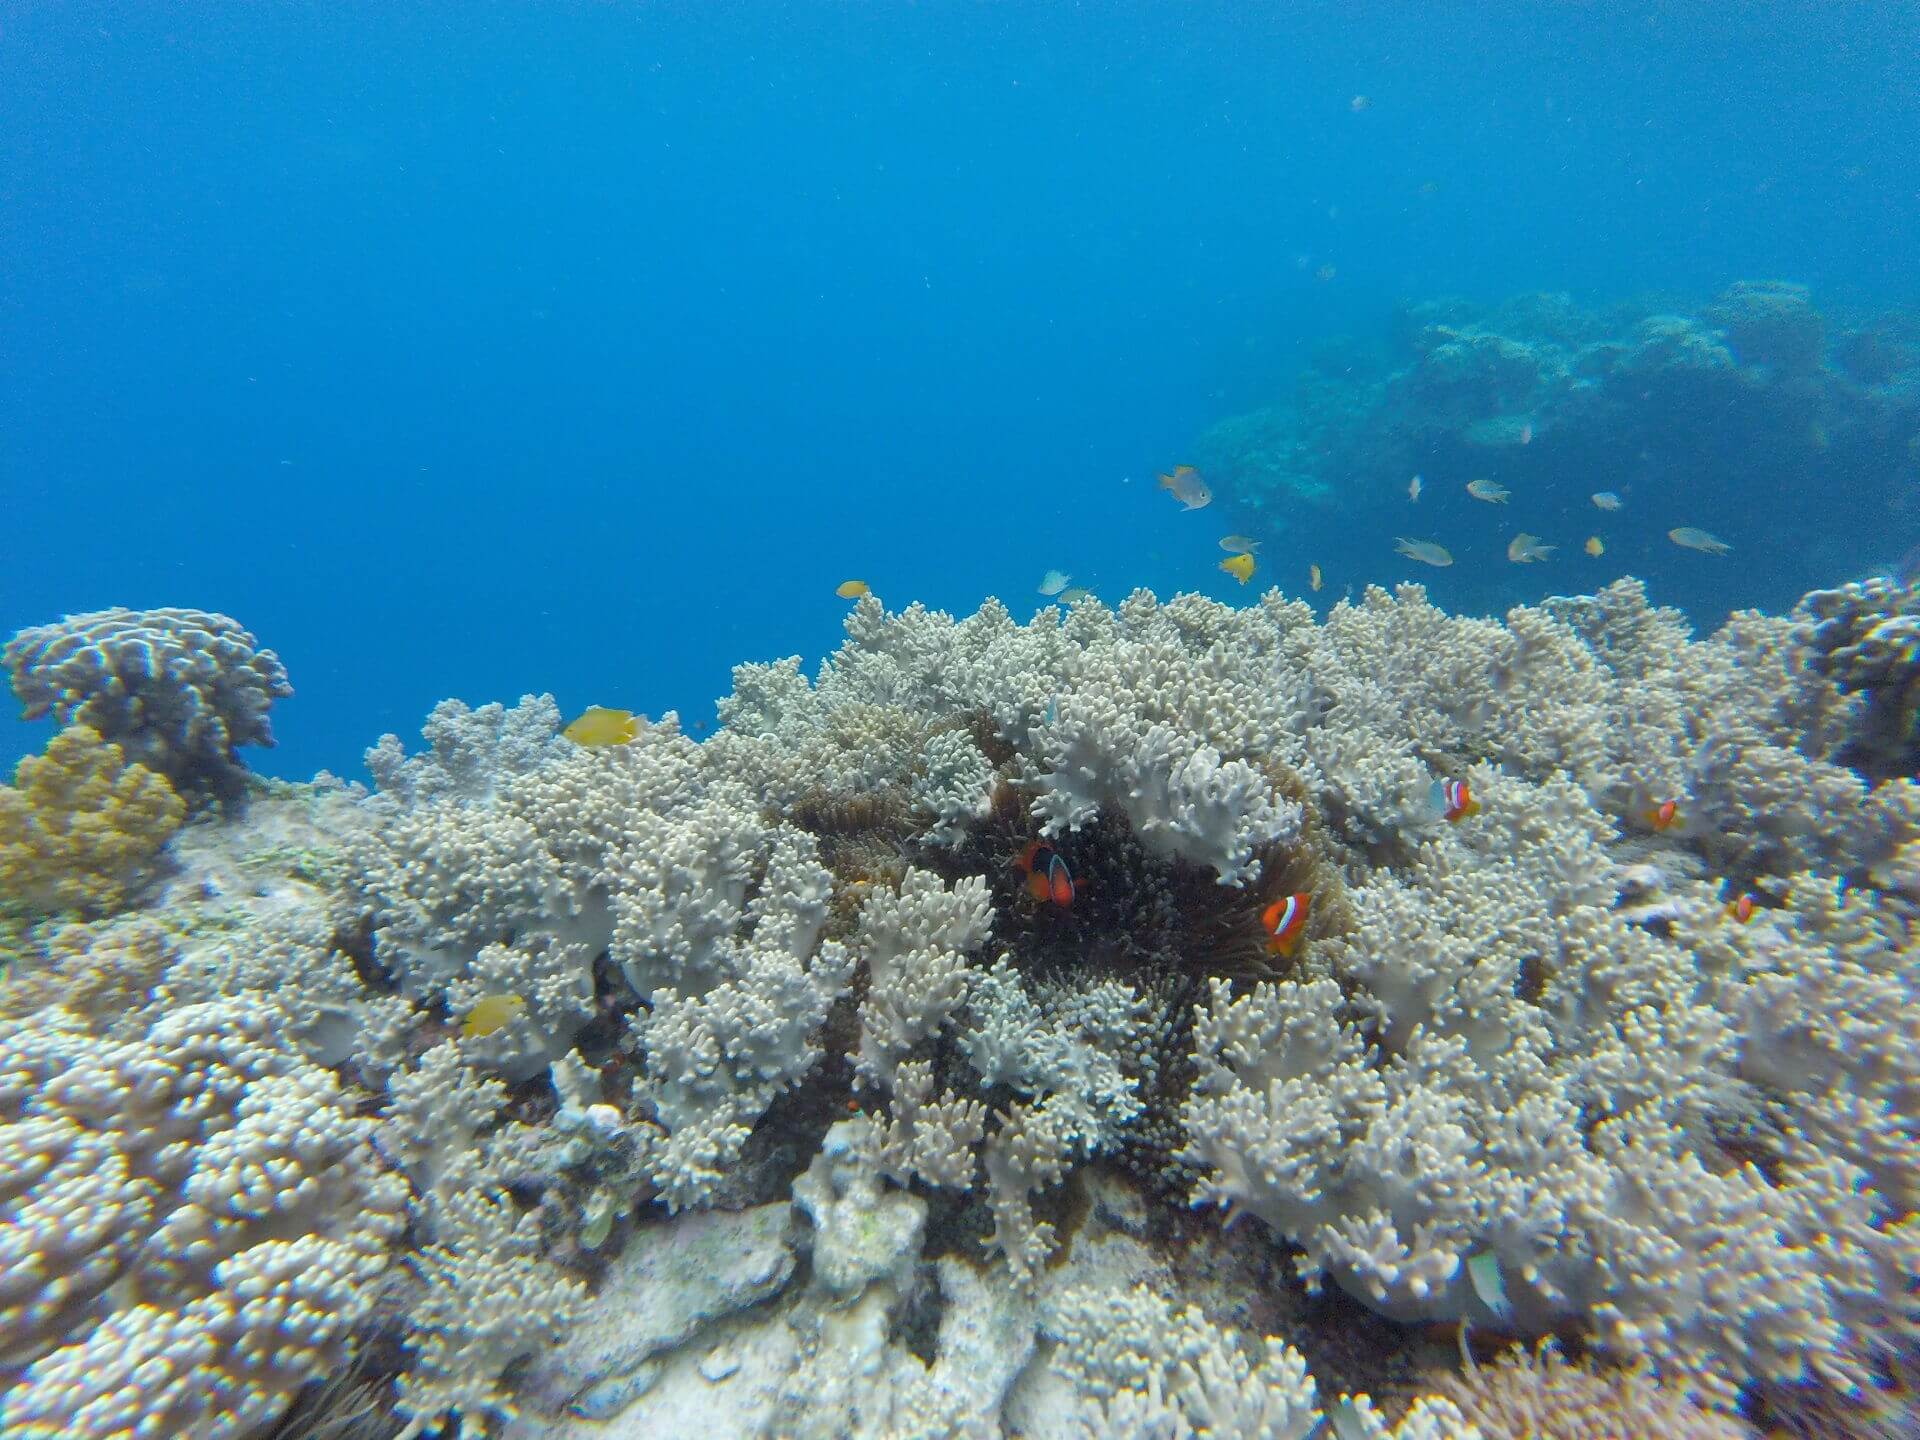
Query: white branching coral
[193,1225]
[914,944]
[641,853]
[1142,1367]
[1526,1128]
[470,752]
[486,1300]
[928,1139]
[1182,800]
[955,786]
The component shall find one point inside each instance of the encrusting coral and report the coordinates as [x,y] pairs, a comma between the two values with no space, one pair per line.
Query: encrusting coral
[1621,1057]
[80,827]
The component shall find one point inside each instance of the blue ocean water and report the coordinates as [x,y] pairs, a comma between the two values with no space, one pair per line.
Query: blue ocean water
[478,349]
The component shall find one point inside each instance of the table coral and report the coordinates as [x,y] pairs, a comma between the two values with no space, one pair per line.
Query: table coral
[80,827]
[178,690]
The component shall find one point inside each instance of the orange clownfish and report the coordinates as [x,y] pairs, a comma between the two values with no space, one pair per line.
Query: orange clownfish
[1048,879]
[1740,911]
[1285,922]
[1454,801]
[1664,816]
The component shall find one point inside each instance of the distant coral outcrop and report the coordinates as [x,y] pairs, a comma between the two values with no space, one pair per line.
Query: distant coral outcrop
[1791,433]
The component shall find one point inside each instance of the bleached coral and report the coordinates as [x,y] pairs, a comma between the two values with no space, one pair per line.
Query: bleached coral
[914,944]
[954,787]
[1865,638]
[1540,1396]
[193,1226]
[711,913]
[80,827]
[928,1139]
[1086,1047]
[1140,1367]
[1539,1104]
[1031,1151]
[1527,1071]
[1182,800]
[178,690]
[469,751]
[486,1300]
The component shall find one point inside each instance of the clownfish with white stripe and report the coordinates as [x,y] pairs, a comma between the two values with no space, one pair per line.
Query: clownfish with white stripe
[1285,922]
[1048,878]
[1453,801]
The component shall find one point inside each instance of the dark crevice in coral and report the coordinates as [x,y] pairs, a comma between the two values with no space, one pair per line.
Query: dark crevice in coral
[918,1323]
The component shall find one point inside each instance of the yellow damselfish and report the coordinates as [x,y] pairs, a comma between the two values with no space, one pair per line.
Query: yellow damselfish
[1313,577]
[1239,566]
[850,589]
[598,725]
[491,1013]
[1594,547]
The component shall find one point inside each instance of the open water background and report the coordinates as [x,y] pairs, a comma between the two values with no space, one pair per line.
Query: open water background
[472,349]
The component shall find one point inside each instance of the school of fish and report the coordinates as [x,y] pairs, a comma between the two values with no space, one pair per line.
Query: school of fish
[1187,486]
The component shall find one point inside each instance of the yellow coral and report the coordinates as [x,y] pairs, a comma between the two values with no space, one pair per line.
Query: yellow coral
[80,825]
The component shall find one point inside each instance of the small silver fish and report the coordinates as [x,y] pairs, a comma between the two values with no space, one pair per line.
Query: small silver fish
[1524,549]
[1606,500]
[1075,594]
[1425,551]
[1491,491]
[1053,582]
[1688,538]
[1186,486]
[1413,488]
[1239,544]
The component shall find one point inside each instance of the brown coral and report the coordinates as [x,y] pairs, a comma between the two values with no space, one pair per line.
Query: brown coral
[80,827]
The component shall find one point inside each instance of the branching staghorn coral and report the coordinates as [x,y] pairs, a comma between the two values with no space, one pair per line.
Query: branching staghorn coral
[80,827]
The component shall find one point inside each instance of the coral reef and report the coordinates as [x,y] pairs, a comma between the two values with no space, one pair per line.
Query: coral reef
[1540,1395]
[194,1224]
[177,690]
[752,1087]
[1865,638]
[1684,411]
[80,828]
